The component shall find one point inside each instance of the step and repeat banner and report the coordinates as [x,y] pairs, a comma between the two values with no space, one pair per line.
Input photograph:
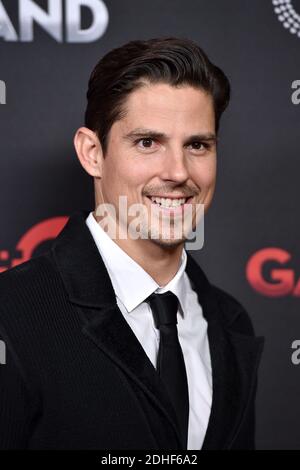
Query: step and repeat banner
[251,249]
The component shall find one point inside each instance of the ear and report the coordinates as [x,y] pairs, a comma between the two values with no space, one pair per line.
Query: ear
[89,151]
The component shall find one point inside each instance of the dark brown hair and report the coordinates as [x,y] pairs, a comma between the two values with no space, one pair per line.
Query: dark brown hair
[168,60]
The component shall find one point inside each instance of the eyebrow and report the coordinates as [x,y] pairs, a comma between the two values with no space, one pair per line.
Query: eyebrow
[140,132]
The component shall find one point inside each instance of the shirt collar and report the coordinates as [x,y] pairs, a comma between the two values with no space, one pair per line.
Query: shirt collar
[131,283]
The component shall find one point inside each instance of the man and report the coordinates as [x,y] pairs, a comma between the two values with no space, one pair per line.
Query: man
[121,342]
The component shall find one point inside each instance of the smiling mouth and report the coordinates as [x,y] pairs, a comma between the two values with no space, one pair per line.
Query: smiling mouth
[170,203]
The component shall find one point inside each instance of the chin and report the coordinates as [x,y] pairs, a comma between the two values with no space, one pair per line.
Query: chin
[167,242]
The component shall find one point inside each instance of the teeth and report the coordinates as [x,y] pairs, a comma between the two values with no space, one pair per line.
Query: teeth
[166,202]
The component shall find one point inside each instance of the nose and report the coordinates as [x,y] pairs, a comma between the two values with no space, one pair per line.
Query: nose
[174,167]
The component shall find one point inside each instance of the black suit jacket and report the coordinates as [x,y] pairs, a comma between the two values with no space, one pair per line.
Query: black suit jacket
[76,376]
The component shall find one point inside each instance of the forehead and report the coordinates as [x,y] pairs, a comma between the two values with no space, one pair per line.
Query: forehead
[168,106]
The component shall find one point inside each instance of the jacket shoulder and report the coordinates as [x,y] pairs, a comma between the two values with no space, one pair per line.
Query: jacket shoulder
[23,276]
[24,288]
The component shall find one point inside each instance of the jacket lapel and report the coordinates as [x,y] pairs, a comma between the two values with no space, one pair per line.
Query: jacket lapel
[234,357]
[112,334]
[89,286]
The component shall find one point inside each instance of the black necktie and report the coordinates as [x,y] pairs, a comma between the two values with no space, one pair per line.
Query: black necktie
[170,362]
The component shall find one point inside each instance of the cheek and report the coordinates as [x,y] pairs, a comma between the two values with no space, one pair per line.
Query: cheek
[205,174]
[135,173]
[123,178]
[114,173]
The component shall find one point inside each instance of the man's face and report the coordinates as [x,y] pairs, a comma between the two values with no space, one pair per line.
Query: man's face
[165,146]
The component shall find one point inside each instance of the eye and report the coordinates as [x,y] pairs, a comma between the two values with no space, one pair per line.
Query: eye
[197,145]
[146,142]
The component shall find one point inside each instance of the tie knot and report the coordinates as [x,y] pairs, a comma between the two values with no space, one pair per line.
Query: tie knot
[164,308]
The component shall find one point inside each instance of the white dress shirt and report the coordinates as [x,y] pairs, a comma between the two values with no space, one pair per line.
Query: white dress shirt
[132,285]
